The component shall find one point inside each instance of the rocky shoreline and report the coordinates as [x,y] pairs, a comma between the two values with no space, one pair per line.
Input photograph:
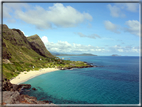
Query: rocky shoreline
[12,94]
[88,66]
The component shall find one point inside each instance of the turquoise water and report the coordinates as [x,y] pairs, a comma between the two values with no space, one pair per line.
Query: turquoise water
[116,81]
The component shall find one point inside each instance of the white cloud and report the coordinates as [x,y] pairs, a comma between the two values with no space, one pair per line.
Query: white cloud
[93,36]
[133,27]
[58,14]
[6,11]
[125,49]
[135,50]
[118,9]
[9,7]
[110,26]
[65,47]
[80,34]
[115,11]
[120,50]
[133,7]
[24,34]
[11,20]
[44,39]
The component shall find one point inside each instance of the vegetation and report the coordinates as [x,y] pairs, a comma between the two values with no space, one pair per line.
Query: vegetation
[12,70]
[22,53]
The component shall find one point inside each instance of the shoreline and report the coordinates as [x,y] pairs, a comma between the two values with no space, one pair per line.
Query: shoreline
[26,75]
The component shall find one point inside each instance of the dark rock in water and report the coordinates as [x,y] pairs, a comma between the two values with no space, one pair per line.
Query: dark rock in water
[69,68]
[47,101]
[20,87]
[33,88]
[25,86]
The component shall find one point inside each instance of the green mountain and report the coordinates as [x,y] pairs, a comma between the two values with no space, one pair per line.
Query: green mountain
[17,47]
[20,53]
[38,46]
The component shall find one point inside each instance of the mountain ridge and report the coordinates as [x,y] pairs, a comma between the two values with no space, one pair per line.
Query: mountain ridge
[37,45]
[21,51]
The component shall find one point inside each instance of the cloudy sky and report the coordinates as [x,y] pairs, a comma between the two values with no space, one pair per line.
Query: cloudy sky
[97,28]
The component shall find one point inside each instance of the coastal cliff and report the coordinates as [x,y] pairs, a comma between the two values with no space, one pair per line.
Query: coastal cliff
[21,53]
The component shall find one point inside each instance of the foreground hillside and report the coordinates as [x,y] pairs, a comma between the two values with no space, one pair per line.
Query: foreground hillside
[21,53]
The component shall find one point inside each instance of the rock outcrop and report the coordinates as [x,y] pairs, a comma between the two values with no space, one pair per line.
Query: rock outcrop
[11,97]
[7,86]
[12,94]
[88,66]
[14,97]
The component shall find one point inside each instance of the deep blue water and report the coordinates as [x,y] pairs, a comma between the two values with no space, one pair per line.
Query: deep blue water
[116,81]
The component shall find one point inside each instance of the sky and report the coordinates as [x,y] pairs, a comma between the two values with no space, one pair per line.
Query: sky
[101,28]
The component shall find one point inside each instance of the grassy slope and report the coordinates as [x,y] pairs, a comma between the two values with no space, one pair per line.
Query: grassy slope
[20,53]
[26,53]
[37,42]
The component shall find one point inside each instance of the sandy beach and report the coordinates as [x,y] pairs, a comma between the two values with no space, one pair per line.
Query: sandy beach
[24,76]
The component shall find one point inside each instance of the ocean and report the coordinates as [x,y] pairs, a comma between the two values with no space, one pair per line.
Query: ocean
[114,81]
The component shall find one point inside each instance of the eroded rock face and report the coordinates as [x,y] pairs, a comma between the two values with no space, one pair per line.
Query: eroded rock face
[14,97]
[7,86]
[12,94]
[11,97]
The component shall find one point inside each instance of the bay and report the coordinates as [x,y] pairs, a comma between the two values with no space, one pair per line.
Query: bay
[114,81]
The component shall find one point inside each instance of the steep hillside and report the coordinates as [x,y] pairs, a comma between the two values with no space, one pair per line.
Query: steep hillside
[37,45]
[15,45]
[20,53]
